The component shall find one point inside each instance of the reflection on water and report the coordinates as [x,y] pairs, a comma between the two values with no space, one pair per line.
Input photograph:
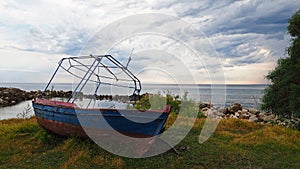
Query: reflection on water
[12,111]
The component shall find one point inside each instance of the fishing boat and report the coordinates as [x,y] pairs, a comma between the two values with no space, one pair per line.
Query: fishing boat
[67,118]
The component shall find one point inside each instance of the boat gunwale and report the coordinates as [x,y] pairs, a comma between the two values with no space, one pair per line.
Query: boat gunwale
[61,104]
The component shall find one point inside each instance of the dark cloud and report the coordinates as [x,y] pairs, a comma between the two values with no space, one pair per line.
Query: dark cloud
[243,32]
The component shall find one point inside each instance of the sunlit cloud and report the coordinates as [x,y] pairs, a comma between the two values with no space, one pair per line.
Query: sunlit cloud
[249,36]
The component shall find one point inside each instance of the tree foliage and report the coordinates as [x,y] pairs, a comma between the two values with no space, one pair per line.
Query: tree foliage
[188,107]
[157,102]
[282,96]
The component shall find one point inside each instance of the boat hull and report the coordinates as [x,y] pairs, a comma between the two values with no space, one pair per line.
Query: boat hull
[67,119]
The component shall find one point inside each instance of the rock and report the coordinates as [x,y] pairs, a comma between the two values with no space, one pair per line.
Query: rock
[244,116]
[237,114]
[268,118]
[219,114]
[212,113]
[205,113]
[294,121]
[30,97]
[282,124]
[5,93]
[253,118]
[254,111]
[205,105]
[235,107]
[13,102]
[276,118]
[267,113]
[226,111]
[205,109]
[233,116]
[182,148]
[221,110]
[245,111]
[215,111]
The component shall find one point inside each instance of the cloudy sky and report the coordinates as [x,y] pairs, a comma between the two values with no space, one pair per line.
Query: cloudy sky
[174,42]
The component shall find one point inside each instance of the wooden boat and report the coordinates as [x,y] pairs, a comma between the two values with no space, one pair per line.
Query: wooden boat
[66,118]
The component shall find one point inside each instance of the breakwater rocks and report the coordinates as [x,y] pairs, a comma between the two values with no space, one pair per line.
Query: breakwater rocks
[236,111]
[13,96]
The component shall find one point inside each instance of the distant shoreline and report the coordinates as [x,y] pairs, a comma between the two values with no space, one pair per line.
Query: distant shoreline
[247,95]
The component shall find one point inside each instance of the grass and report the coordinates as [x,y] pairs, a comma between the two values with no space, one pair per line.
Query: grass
[235,144]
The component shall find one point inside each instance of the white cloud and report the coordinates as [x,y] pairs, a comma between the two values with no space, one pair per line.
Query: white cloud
[250,48]
[248,74]
[25,66]
[247,34]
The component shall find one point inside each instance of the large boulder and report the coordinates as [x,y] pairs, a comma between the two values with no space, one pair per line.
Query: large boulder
[235,107]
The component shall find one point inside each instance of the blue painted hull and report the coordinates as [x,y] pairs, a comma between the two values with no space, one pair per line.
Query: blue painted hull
[66,119]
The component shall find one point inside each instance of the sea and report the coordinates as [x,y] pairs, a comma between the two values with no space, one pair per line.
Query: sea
[249,95]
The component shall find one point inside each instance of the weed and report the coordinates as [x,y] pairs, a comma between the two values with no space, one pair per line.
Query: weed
[25,113]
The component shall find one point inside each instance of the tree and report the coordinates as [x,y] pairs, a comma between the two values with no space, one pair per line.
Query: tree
[282,96]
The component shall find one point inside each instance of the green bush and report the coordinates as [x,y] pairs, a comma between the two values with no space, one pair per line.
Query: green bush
[157,102]
[186,106]
[282,95]
[175,102]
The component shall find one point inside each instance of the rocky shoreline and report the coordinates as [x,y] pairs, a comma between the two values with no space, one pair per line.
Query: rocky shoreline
[236,111]
[13,96]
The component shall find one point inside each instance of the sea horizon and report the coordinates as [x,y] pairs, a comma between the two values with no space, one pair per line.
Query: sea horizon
[247,94]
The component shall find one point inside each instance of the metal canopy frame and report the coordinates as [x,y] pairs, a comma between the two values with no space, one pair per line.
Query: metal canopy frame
[99,69]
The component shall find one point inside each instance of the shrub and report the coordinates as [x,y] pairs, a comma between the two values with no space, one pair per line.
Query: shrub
[282,95]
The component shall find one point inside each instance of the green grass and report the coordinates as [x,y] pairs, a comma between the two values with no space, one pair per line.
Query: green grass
[235,144]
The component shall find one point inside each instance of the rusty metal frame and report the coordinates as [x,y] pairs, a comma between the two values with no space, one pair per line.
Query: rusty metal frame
[90,70]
